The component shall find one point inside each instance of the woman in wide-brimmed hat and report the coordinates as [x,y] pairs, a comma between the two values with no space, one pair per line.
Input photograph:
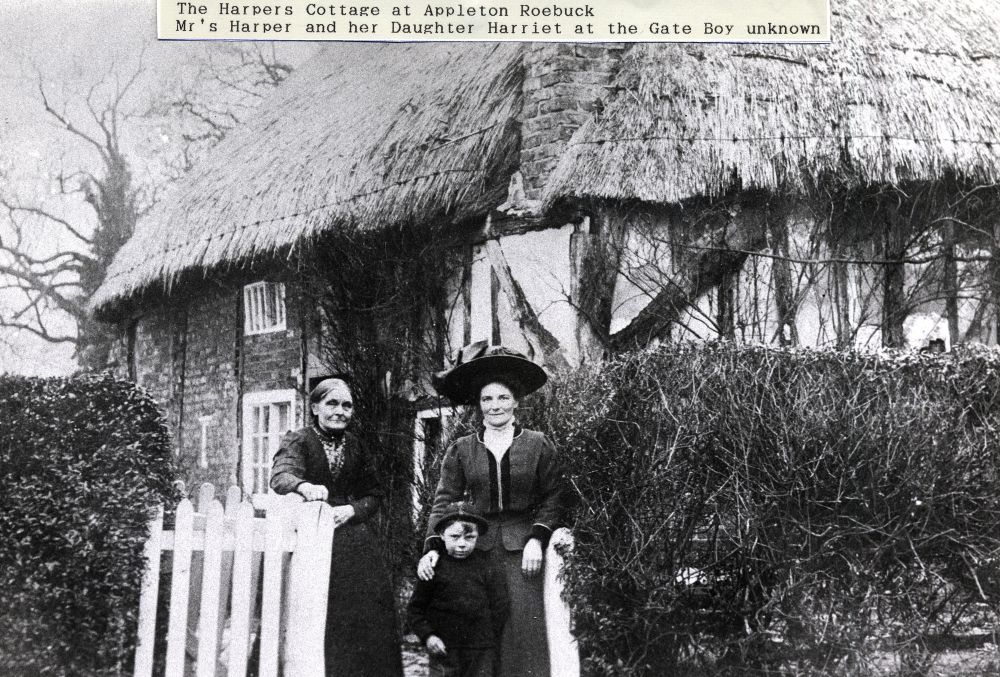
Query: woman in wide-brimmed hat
[325,462]
[513,477]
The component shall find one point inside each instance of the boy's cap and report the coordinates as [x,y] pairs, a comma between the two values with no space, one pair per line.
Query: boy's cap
[461,511]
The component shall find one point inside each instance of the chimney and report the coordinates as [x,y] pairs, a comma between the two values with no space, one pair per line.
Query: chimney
[563,85]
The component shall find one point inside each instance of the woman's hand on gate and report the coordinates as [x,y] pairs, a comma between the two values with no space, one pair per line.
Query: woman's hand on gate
[435,646]
[425,568]
[312,492]
[531,560]
[342,513]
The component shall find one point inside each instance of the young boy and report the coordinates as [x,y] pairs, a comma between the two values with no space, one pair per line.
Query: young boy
[460,613]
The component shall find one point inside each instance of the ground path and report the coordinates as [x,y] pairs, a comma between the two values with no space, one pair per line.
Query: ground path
[414,658]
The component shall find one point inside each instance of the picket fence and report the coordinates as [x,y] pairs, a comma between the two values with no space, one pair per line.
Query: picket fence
[218,557]
[221,557]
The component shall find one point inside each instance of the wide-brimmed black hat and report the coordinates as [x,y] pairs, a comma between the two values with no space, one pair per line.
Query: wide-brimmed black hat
[461,511]
[480,363]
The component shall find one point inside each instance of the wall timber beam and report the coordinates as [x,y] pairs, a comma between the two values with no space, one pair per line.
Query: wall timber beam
[699,267]
[541,341]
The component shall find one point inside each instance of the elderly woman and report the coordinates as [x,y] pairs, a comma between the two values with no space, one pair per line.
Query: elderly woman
[512,476]
[323,462]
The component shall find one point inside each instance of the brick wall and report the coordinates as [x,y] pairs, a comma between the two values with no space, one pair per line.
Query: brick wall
[210,388]
[118,354]
[563,85]
[154,370]
[273,361]
[193,357]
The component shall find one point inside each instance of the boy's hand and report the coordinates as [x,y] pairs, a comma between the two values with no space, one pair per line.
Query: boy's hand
[435,646]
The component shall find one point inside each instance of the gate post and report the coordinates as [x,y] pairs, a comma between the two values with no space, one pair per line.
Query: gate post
[564,657]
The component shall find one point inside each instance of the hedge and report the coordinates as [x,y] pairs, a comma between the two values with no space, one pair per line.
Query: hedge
[749,510]
[82,461]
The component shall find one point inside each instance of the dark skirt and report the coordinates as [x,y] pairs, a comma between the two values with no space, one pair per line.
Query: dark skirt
[525,649]
[362,635]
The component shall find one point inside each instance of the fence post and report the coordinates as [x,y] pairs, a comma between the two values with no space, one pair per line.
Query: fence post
[208,637]
[305,653]
[242,595]
[300,535]
[564,657]
[147,599]
[270,608]
[206,492]
[180,579]
[234,497]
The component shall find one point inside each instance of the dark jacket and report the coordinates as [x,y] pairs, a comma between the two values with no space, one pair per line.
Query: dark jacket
[524,498]
[465,604]
[300,458]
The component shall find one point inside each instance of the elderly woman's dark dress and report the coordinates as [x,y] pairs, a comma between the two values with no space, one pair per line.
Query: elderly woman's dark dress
[362,638]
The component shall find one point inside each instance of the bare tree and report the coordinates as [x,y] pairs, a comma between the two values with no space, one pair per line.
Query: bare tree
[46,280]
[219,90]
[57,242]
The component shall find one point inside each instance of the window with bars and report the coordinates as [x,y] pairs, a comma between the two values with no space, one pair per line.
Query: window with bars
[263,307]
[267,416]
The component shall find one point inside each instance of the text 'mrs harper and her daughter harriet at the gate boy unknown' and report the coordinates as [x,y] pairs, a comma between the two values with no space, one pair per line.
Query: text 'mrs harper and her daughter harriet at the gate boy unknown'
[563,21]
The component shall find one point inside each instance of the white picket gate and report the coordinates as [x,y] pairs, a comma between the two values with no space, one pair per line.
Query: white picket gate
[218,556]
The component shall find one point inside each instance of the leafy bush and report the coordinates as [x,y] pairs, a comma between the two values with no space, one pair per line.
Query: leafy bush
[82,461]
[747,510]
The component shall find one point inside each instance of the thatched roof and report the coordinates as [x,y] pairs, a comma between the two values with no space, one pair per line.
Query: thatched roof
[367,135]
[907,90]
[363,135]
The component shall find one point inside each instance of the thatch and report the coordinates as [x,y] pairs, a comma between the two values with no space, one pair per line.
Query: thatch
[906,91]
[369,135]
[362,136]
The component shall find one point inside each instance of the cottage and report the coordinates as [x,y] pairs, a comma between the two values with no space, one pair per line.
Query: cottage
[568,200]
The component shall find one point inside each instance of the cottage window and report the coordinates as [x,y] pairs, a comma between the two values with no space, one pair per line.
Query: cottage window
[267,416]
[263,307]
[428,436]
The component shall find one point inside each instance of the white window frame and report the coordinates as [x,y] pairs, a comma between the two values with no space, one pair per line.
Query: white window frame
[263,308]
[206,423]
[444,414]
[252,466]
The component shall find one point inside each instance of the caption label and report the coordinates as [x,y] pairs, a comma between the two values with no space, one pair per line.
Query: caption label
[560,21]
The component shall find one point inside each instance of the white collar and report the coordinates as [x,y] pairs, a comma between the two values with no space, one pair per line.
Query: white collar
[498,440]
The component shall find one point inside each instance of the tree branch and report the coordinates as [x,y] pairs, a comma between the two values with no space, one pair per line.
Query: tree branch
[42,286]
[40,332]
[38,211]
[700,267]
